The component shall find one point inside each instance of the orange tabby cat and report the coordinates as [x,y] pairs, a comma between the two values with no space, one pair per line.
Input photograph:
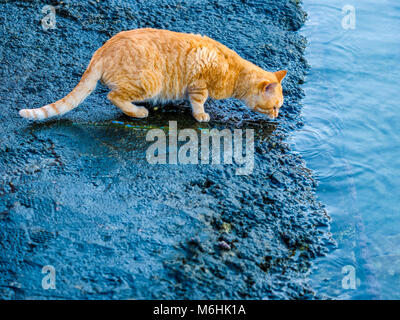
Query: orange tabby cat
[160,65]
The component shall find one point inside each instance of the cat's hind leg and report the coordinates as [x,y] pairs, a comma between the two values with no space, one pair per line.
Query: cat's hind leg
[123,101]
[197,96]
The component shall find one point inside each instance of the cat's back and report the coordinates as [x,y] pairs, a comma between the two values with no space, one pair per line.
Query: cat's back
[166,41]
[172,60]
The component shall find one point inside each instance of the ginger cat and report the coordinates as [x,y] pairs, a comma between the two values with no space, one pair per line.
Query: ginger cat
[151,65]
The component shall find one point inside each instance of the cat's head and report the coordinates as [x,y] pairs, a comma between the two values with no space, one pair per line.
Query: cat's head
[266,94]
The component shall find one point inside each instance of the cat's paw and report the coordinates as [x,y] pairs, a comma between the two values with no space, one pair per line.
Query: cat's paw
[137,112]
[141,112]
[202,117]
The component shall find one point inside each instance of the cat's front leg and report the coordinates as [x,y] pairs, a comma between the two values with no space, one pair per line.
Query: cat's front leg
[197,97]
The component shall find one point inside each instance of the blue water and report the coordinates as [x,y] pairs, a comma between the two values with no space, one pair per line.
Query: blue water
[351,139]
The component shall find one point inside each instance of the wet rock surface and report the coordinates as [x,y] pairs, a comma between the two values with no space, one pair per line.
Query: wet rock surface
[77,192]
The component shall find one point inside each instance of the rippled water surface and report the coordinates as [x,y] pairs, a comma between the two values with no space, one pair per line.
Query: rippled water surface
[351,140]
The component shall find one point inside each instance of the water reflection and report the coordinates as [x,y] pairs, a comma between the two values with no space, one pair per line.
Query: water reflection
[351,140]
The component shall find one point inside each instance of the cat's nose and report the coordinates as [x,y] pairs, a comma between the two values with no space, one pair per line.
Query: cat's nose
[272,115]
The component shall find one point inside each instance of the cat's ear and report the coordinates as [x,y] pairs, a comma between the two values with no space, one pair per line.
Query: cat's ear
[268,87]
[280,74]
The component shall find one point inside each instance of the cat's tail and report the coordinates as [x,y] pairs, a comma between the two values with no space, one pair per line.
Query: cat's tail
[87,84]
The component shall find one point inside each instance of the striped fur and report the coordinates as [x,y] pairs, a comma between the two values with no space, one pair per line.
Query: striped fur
[161,65]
